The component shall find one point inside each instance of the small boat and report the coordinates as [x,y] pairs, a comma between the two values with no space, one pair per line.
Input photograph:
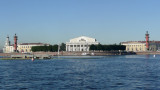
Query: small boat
[154,55]
[32,59]
[84,54]
[92,54]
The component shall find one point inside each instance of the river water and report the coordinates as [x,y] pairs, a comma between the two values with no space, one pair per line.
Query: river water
[130,72]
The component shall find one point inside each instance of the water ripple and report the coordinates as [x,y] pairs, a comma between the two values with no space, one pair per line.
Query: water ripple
[136,72]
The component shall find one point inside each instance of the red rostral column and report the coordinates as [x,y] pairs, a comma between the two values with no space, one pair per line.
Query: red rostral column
[147,40]
[15,43]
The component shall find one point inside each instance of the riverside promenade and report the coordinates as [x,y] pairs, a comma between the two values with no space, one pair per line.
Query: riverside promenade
[148,52]
[97,53]
[63,53]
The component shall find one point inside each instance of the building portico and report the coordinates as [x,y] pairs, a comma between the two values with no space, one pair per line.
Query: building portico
[80,44]
[77,47]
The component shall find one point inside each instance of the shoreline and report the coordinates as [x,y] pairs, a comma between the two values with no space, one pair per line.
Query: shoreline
[50,55]
[64,53]
[147,53]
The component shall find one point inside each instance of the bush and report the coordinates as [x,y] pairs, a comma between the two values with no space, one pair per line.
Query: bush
[107,47]
[50,48]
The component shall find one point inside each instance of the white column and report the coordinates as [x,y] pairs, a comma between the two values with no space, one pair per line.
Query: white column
[83,47]
[87,47]
[69,48]
[80,47]
[73,48]
[66,47]
[76,48]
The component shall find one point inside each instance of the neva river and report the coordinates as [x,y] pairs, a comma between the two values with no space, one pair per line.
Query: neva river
[130,72]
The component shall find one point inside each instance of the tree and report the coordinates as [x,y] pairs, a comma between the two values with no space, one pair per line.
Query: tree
[55,48]
[92,47]
[50,48]
[63,47]
[113,47]
[99,47]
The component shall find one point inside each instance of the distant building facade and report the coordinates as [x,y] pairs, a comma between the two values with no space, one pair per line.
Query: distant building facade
[7,47]
[80,44]
[26,47]
[140,46]
[23,47]
[135,46]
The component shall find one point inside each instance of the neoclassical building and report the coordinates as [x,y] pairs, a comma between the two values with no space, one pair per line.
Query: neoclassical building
[23,47]
[141,46]
[135,46]
[8,47]
[26,47]
[80,43]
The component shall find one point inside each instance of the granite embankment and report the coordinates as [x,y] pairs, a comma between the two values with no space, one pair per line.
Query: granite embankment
[97,53]
[146,53]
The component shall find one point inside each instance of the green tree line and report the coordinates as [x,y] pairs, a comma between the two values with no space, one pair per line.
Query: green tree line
[54,48]
[51,48]
[107,47]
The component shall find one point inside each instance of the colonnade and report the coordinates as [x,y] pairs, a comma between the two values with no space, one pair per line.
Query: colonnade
[77,47]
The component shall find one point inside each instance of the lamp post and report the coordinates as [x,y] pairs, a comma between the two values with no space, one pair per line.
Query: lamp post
[58,48]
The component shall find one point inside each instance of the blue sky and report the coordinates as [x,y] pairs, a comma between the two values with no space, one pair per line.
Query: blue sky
[56,21]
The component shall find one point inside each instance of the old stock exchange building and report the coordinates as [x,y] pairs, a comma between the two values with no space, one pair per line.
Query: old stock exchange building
[80,44]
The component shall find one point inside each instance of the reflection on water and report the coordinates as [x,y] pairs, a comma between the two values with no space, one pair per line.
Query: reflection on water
[129,72]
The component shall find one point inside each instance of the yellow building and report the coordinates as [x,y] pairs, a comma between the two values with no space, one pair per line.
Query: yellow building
[23,47]
[26,47]
[135,46]
[140,46]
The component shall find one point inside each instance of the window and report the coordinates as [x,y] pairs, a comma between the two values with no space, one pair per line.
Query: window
[82,40]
